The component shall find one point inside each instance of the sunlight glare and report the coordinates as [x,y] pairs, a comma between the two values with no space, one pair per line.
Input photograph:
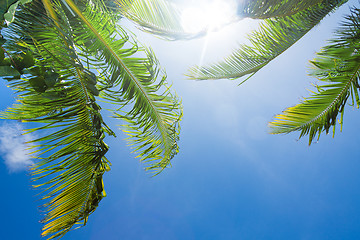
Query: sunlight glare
[208,16]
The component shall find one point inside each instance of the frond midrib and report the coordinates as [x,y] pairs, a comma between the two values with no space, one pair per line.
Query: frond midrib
[335,101]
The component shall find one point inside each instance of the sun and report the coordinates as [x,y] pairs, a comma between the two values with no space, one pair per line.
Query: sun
[210,15]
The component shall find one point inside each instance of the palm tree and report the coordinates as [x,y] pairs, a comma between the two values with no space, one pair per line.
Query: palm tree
[283,23]
[61,57]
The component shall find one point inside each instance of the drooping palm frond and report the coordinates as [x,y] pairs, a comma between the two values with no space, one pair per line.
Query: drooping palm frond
[160,17]
[66,44]
[273,8]
[152,124]
[338,64]
[54,91]
[135,84]
[273,37]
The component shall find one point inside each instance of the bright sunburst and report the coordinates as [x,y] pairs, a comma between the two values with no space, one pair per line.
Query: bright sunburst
[209,15]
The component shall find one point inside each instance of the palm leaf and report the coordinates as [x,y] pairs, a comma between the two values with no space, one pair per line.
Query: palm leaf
[273,38]
[338,64]
[54,91]
[273,8]
[160,17]
[60,92]
[137,86]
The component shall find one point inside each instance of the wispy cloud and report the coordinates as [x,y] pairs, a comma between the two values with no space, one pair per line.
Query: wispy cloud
[13,147]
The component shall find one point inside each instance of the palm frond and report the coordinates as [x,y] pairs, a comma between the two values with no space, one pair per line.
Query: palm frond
[338,64]
[160,17]
[273,8]
[54,91]
[273,37]
[152,123]
[136,85]
[57,90]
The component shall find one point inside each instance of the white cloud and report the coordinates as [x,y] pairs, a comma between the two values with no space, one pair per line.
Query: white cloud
[13,147]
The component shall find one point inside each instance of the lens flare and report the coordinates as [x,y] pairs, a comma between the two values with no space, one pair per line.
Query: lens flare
[208,16]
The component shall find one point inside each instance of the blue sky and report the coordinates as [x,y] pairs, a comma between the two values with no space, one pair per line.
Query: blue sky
[231,180]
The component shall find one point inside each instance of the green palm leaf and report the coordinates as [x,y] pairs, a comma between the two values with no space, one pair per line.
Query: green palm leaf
[134,83]
[338,64]
[59,89]
[273,38]
[160,17]
[72,156]
[273,8]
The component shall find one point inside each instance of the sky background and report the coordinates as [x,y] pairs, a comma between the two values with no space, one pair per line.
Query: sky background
[231,179]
